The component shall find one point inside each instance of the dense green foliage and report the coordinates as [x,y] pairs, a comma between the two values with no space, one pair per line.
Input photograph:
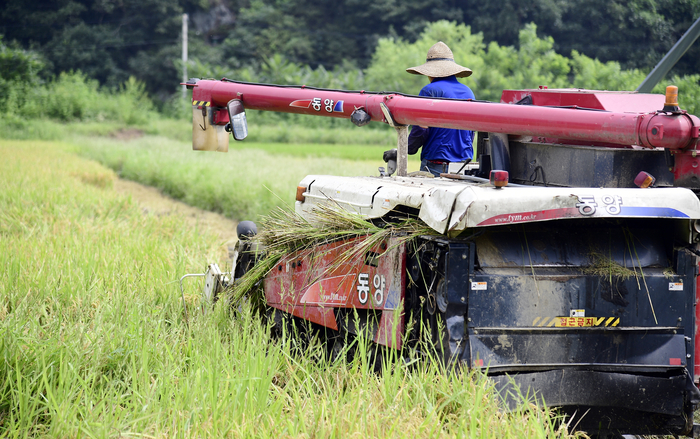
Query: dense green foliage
[71,96]
[532,62]
[94,341]
[635,33]
[112,41]
[108,41]
[75,97]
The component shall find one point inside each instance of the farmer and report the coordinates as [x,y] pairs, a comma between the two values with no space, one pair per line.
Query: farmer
[441,145]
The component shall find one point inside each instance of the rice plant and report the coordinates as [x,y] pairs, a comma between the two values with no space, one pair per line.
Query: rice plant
[94,343]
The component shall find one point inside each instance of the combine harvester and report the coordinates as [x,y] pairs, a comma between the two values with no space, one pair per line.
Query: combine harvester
[565,263]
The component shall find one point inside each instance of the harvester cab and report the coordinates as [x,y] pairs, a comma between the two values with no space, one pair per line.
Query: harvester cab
[564,263]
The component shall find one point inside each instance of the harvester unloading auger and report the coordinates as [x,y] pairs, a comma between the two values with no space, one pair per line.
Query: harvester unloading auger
[565,263]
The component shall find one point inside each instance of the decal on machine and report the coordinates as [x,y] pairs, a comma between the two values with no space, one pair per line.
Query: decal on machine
[363,287]
[675,286]
[587,206]
[364,290]
[575,322]
[479,286]
[539,215]
[326,291]
[329,105]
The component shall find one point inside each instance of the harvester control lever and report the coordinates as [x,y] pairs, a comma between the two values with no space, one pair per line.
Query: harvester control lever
[389,158]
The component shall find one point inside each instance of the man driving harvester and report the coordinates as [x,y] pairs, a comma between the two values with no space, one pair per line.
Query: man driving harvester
[441,146]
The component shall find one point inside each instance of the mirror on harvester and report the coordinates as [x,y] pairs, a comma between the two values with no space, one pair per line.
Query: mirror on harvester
[238,124]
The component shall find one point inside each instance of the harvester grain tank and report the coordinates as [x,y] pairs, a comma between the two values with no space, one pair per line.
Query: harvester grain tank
[564,263]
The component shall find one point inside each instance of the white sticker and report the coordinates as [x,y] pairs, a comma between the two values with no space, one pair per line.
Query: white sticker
[363,287]
[379,283]
[577,313]
[476,286]
[675,286]
[386,204]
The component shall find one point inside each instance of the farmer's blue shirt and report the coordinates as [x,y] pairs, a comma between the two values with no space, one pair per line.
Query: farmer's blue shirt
[443,143]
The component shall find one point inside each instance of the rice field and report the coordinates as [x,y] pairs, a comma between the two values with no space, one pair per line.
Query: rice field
[94,341]
[244,183]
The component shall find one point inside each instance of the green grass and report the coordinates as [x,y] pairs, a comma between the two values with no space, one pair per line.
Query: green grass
[248,181]
[94,342]
[264,131]
[19,128]
[368,153]
[251,179]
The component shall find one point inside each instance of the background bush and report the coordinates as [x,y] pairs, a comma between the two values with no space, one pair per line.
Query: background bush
[73,96]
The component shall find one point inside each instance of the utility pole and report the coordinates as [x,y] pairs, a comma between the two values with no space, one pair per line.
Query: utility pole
[184,55]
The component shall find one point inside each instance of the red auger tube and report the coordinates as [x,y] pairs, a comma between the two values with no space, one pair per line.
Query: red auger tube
[673,131]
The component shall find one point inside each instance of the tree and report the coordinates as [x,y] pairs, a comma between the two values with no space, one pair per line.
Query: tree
[328,32]
[17,64]
[109,41]
[635,33]
[116,39]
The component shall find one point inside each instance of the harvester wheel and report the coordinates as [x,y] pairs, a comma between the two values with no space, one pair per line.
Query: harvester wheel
[341,346]
[247,251]
[279,321]
[426,301]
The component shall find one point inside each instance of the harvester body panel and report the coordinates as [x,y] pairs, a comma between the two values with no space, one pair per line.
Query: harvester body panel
[450,207]
[312,283]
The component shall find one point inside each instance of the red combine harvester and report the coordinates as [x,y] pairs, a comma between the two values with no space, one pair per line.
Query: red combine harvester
[565,263]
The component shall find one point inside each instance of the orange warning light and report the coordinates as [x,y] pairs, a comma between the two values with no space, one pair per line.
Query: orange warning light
[671,96]
[499,178]
[300,193]
[671,103]
[644,180]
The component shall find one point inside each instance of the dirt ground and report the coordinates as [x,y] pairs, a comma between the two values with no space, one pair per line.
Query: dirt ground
[152,201]
[126,134]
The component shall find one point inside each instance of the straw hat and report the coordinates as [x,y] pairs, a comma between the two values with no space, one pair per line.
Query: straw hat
[440,63]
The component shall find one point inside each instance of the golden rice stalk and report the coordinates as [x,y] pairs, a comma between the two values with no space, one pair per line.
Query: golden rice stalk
[604,266]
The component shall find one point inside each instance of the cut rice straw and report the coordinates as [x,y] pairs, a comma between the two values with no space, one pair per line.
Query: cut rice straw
[284,232]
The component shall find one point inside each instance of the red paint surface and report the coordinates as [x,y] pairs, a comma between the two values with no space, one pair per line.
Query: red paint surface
[390,329]
[593,99]
[536,215]
[686,166]
[311,284]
